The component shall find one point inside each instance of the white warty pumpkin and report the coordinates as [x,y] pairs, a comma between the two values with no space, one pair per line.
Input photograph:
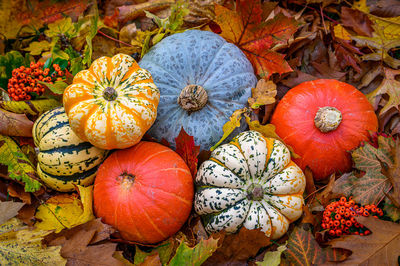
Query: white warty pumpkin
[250,182]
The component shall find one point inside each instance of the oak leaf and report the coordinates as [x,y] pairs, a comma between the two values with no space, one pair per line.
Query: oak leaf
[187,149]
[245,28]
[373,186]
[238,247]
[21,246]
[379,248]
[19,168]
[264,93]
[389,86]
[303,249]
[65,210]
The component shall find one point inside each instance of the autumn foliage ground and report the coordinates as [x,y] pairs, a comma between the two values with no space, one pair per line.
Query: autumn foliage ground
[288,42]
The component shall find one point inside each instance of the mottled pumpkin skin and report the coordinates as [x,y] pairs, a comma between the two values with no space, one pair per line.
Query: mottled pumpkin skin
[324,153]
[64,160]
[201,58]
[154,202]
[117,123]
[224,181]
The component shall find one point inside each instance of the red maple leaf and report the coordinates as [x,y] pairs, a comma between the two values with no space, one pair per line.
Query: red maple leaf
[186,148]
[246,29]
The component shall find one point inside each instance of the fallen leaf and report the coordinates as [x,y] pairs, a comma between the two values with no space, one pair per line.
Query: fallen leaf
[245,28]
[310,186]
[229,127]
[202,11]
[12,124]
[357,21]
[303,249]
[34,107]
[20,168]
[238,247]
[153,260]
[187,149]
[21,246]
[391,210]
[65,210]
[389,86]
[9,209]
[130,12]
[379,248]
[119,256]
[36,48]
[373,185]
[340,32]
[264,93]
[77,251]
[272,258]
[323,198]
[164,250]
[17,191]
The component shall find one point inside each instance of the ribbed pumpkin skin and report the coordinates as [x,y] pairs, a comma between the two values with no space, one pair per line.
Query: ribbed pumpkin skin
[202,58]
[225,182]
[156,204]
[64,159]
[324,153]
[110,124]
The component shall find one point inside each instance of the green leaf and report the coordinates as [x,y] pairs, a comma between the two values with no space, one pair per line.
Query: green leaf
[61,27]
[36,48]
[164,251]
[272,258]
[178,11]
[57,87]
[196,255]
[19,167]
[34,107]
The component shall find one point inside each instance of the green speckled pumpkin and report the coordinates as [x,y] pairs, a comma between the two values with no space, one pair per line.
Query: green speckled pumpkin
[64,159]
[250,182]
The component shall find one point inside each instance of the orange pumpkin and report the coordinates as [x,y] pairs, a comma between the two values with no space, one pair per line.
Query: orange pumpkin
[146,192]
[113,103]
[322,120]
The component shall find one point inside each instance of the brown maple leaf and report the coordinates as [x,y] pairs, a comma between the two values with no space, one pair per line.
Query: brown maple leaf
[245,28]
[12,124]
[379,248]
[186,148]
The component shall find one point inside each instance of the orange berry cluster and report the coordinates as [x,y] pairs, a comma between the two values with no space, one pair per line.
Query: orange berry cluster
[338,217]
[24,81]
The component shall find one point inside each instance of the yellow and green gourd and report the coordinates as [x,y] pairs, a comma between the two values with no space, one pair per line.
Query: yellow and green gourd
[63,158]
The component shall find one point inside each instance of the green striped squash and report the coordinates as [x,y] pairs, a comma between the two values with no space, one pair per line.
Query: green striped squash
[64,159]
[250,182]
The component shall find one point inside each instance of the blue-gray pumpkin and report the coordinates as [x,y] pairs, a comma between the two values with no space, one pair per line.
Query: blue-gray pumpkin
[202,80]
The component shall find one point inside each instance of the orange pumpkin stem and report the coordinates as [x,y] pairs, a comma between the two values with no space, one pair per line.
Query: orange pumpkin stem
[193,98]
[110,94]
[327,119]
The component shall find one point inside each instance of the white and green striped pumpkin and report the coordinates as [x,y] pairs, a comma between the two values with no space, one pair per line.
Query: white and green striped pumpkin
[64,159]
[250,182]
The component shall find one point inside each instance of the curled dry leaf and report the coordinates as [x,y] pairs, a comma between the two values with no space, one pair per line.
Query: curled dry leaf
[9,209]
[357,21]
[131,12]
[17,191]
[202,11]
[379,248]
[263,94]
[238,247]
[12,124]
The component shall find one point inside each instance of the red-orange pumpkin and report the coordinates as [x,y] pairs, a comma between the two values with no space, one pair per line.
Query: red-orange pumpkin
[146,192]
[322,120]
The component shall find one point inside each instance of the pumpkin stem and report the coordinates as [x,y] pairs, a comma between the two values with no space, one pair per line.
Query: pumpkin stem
[110,94]
[126,180]
[327,119]
[255,192]
[192,98]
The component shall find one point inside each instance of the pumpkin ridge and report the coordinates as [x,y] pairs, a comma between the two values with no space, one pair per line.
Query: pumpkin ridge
[151,157]
[222,80]
[276,210]
[236,143]
[73,102]
[206,69]
[84,121]
[151,221]
[141,123]
[133,223]
[155,206]
[223,165]
[109,136]
[169,193]
[161,67]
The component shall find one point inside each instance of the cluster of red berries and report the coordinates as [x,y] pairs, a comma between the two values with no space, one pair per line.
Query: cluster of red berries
[24,81]
[339,217]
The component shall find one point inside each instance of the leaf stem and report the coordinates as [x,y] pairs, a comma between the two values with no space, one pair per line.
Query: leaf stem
[111,38]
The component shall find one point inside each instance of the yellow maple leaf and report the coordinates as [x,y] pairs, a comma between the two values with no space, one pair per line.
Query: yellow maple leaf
[341,33]
[21,246]
[66,211]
